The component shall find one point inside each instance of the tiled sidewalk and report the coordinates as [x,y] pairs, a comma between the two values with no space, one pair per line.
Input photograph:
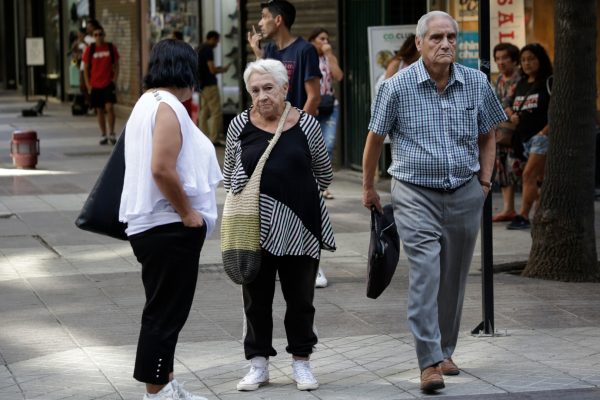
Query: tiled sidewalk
[353,367]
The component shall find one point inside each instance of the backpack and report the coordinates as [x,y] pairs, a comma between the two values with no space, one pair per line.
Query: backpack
[88,63]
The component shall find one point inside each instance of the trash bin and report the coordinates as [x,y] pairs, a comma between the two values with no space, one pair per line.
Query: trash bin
[24,149]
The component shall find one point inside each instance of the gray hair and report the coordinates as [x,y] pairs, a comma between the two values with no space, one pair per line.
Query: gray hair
[275,68]
[423,24]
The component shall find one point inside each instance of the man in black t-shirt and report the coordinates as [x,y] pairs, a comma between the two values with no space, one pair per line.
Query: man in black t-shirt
[299,57]
[211,114]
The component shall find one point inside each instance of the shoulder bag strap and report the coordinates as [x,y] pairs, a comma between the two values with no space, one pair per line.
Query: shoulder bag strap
[263,159]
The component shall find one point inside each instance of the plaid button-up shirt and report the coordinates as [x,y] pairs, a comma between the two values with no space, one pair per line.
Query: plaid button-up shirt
[434,136]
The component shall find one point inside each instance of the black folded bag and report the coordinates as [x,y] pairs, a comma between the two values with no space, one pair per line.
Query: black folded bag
[384,251]
[100,213]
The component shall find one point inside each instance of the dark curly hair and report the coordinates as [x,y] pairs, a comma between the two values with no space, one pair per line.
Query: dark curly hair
[173,63]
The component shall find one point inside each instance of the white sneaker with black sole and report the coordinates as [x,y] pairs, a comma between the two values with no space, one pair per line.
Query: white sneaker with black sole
[257,376]
[303,376]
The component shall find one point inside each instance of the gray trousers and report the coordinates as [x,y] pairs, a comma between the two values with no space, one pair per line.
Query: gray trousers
[439,231]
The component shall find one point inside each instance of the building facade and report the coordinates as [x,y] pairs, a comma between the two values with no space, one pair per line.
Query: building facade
[134,26]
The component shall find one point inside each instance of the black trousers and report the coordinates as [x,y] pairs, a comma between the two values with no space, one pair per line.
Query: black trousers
[169,255]
[297,276]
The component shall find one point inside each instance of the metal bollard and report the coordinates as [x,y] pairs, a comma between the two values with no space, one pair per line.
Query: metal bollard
[24,149]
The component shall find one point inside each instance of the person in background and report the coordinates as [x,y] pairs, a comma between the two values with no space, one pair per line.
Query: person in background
[407,55]
[294,223]
[88,39]
[530,115]
[299,57]
[101,71]
[211,112]
[328,119]
[509,169]
[77,47]
[178,35]
[440,117]
[169,205]
[90,26]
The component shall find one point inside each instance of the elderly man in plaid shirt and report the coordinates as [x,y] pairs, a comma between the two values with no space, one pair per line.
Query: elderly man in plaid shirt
[439,116]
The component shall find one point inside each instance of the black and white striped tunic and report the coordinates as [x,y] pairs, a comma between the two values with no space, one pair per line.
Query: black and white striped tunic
[293,216]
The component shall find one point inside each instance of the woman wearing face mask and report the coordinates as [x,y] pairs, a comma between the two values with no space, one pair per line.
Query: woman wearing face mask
[530,114]
[294,223]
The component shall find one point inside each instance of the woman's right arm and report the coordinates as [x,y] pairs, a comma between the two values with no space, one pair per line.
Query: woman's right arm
[165,150]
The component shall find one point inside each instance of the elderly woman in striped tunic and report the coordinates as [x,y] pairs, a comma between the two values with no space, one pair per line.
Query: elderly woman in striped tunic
[294,221]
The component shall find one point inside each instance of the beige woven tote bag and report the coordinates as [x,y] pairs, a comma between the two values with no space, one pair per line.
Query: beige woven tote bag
[240,223]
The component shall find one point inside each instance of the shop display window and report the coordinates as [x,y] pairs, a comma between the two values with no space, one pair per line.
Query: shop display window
[167,17]
[77,12]
[230,55]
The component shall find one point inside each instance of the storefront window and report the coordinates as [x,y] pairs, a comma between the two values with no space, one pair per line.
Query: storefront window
[168,18]
[76,13]
[230,39]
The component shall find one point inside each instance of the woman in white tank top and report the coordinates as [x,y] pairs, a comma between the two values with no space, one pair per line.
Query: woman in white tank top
[169,205]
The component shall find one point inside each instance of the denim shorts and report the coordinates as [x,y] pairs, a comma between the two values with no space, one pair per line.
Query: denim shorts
[536,145]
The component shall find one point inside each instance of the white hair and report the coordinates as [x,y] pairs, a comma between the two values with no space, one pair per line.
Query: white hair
[275,68]
[423,24]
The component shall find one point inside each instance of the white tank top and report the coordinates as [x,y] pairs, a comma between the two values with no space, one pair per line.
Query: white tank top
[143,205]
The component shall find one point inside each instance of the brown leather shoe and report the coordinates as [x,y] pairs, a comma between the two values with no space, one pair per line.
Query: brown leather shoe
[431,379]
[448,367]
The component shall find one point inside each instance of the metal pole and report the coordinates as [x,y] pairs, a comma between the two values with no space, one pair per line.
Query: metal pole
[487,260]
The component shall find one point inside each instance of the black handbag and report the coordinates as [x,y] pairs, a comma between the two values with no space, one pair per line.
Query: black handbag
[100,213]
[326,104]
[384,251]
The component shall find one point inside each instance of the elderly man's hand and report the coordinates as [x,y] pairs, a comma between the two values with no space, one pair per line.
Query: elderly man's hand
[371,198]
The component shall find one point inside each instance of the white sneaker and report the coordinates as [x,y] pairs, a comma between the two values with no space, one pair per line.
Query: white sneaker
[184,394]
[257,376]
[169,392]
[321,281]
[305,380]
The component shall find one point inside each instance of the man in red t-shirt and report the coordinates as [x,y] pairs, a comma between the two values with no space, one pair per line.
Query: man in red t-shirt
[101,70]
